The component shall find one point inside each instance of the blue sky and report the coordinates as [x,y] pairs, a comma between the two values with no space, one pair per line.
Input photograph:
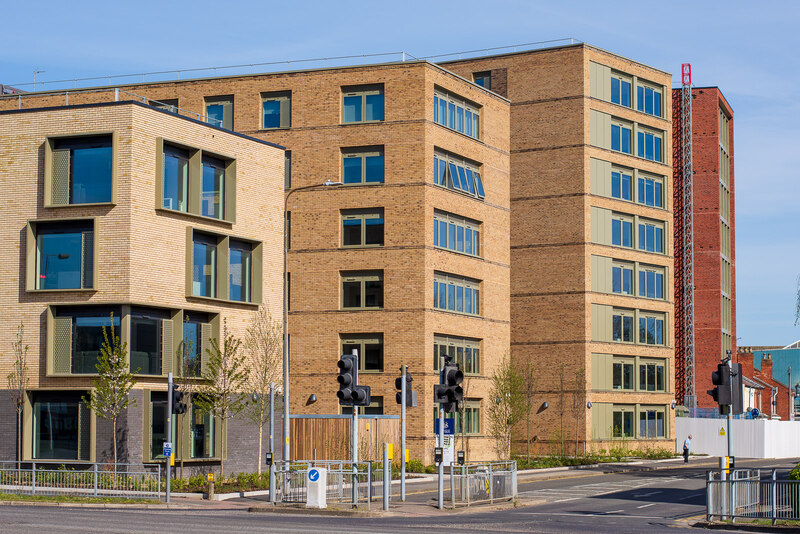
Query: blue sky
[748,49]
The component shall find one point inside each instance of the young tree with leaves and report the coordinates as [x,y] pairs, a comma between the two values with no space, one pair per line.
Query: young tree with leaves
[577,403]
[222,392]
[507,405]
[264,345]
[528,374]
[113,384]
[18,382]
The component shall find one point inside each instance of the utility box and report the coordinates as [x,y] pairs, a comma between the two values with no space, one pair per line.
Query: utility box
[317,480]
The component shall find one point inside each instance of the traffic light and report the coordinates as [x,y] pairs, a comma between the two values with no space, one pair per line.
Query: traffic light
[411,396]
[722,393]
[350,393]
[178,406]
[737,402]
[448,393]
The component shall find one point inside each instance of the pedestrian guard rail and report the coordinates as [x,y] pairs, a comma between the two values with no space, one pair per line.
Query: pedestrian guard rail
[752,494]
[366,478]
[81,479]
[482,482]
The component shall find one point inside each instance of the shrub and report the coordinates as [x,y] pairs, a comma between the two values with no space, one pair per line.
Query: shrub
[415,466]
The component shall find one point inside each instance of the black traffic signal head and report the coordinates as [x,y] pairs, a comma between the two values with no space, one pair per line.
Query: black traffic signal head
[449,392]
[737,402]
[411,396]
[350,393]
[722,393]
[178,406]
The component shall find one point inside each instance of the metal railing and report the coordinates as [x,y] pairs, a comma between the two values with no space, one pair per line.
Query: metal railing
[292,481]
[751,494]
[476,483]
[83,480]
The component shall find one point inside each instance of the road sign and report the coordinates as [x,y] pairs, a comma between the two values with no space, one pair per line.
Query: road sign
[316,496]
[721,431]
[754,413]
[313,475]
[449,426]
[167,450]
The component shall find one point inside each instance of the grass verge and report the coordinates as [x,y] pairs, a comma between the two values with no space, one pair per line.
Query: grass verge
[74,499]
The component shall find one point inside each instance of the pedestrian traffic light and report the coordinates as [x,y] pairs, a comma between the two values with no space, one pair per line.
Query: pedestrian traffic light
[411,396]
[350,393]
[722,393]
[737,402]
[448,393]
[178,406]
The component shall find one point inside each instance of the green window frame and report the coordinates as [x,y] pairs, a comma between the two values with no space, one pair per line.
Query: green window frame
[363,104]
[176,178]
[622,422]
[457,114]
[622,375]
[219,111]
[80,170]
[457,234]
[652,375]
[652,328]
[370,350]
[458,174]
[468,418]
[276,110]
[484,79]
[363,228]
[362,290]
[223,267]
[463,350]
[202,432]
[62,426]
[63,247]
[621,90]
[456,294]
[652,422]
[622,329]
[363,165]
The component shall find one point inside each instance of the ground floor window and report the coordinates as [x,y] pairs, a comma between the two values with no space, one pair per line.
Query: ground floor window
[651,423]
[202,432]
[158,421]
[61,426]
[623,424]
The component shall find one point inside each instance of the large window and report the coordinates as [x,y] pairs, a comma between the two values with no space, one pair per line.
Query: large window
[202,433]
[458,174]
[469,421]
[651,423]
[456,233]
[463,350]
[651,376]
[362,166]
[61,426]
[622,326]
[622,374]
[651,328]
[276,110]
[362,290]
[362,104]
[213,189]
[651,191]
[456,294]
[622,421]
[158,424]
[240,270]
[457,114]
[78,337]
[622,278]
[370,350]
[193,343]
[176,178]
[621,137]
[204,267]
[64,255]
[362,228]
[621,184]
[648,100]
[146,343]
[82,170]
[648,145]
[219,111]
[622,231]
[651,282]
[621,90]
[651,236]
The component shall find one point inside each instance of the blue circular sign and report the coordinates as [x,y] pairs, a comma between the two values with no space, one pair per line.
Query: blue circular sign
[313,475]
[754,413]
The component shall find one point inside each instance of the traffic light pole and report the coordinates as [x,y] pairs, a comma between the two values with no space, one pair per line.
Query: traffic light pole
[354,438]
[403,392]
[169,432]
[441,463]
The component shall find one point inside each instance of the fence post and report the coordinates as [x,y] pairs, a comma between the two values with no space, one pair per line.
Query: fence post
[774,495]
[708,496]
[491,484]
[33,472]
[452,486]
[387,478]
[95,479]
[369,486]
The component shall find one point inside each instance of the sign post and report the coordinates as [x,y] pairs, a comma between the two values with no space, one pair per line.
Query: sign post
[169,435]
[403,435]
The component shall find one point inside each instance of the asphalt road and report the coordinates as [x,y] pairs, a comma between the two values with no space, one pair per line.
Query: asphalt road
[651,501]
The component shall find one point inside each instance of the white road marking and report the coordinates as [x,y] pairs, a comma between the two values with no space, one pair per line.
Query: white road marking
[578,514]
[646,505]
[691,496]
[600,488]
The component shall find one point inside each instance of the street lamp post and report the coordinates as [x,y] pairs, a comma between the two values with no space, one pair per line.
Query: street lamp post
[326,183]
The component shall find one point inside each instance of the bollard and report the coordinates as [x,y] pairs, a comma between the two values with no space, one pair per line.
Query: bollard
[387,478]
[774,495]
[210,477]
[272,496]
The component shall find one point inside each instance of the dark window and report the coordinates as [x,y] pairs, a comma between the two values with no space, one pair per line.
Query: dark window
[362,166]
[219,111]
[362,290]
[158,421]
[370,350]
[145,347]
[192,343]
[90,168]
[363,104]
[277,110]
[176,178]
[240,254]
[204,268]
[58,427]
[64,255]
[623,375]
[362,228]
[213,191]
[287,170]
[87,334]
[202,430]
[484,79]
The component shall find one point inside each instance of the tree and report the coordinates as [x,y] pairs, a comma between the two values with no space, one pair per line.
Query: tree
[529,385]
[224,381]
[264,344]
[112,386]
[506,406]
[18,381]
[577,402]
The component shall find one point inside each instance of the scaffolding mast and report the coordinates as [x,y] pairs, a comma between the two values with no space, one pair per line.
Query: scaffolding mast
[690,394]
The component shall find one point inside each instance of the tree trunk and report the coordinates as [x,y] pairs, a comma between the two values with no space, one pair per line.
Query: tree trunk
[19,440]
[114,441]
[222,454]
[260,439]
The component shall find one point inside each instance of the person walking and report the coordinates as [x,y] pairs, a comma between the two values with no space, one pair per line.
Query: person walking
[686,446]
